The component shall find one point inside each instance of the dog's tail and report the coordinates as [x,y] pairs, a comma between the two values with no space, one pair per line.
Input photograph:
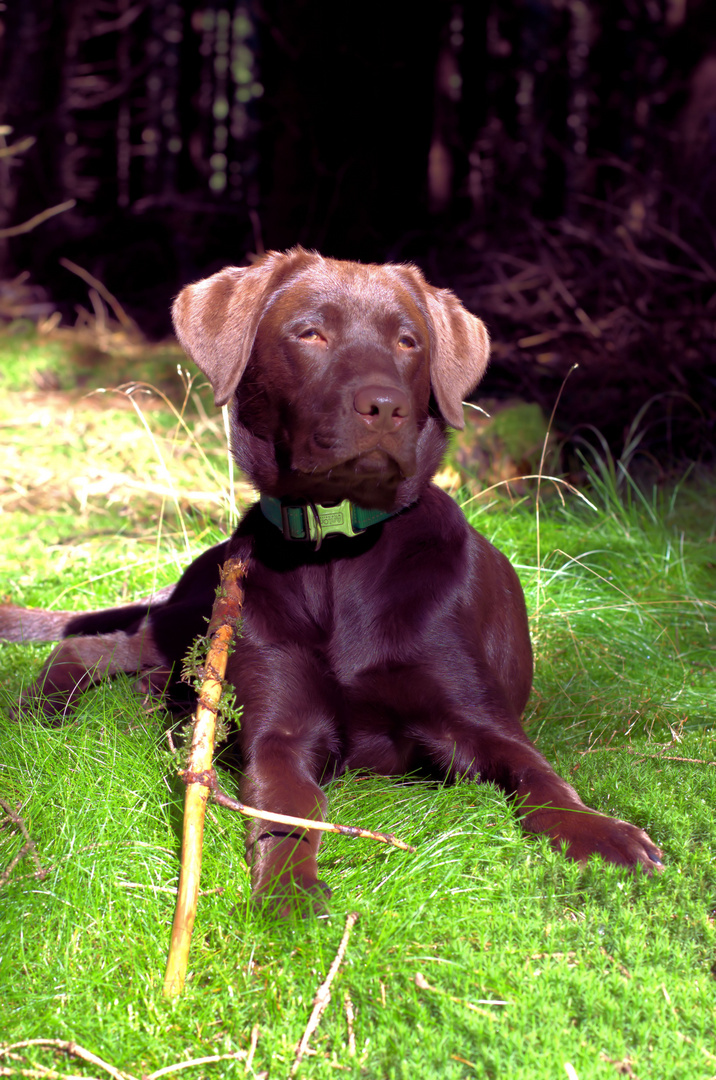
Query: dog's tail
[34,624]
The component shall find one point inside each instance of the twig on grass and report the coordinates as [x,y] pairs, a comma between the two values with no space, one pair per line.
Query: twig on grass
[24,850]
[323,994]
[643,754]
[422,984]
[704,1051]
[622,1065]
[28,848]
[73,1049]
[350,1018]
[224,617]
[237,1055]
[464,1061]
[252,1046]
[220,797]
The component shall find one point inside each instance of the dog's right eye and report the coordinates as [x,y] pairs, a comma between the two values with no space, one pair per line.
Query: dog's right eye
[311,335]
[406,342]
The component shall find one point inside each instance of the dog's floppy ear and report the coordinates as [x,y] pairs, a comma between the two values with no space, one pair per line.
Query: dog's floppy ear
[459,353]
[216,319]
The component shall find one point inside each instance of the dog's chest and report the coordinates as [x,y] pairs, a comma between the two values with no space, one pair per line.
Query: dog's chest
[338,609]
[391,606]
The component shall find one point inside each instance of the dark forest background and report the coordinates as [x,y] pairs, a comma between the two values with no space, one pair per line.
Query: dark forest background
[552,161]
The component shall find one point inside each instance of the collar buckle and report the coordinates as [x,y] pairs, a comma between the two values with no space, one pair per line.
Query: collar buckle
[314,521]
[335,519]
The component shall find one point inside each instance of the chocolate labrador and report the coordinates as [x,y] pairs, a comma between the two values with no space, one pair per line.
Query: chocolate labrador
[380,630]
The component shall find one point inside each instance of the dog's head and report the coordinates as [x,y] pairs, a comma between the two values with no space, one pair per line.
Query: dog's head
[343,375]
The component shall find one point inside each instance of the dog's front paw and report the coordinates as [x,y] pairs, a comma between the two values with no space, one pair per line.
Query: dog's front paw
[292,894]
[285,876]
[584,832]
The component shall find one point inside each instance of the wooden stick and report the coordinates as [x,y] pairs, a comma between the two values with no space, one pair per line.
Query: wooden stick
[68,1047]
[225,615]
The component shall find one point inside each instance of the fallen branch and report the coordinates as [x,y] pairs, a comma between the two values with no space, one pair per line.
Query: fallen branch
[28,848]
[73,1049]
[323,994]
[224,617]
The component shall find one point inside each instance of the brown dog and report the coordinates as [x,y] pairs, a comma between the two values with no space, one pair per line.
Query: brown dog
[380,631]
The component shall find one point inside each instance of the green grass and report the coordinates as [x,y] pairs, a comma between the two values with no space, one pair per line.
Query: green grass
[484,953]
[68,360]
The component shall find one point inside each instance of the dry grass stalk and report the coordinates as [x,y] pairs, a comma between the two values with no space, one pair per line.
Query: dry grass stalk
[643,754]
[126,321]
[323,994]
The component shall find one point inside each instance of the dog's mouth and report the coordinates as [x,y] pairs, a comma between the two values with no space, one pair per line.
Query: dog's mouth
[370,479]
[374,461]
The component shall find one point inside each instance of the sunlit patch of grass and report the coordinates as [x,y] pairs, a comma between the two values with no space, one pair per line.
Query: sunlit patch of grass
[622,610]
[124,485]
[80,360]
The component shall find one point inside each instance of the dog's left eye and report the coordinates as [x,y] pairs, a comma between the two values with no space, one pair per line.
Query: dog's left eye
[311,335]
[405,341]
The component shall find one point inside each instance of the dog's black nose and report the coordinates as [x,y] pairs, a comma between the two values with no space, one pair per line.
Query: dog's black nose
[383,408]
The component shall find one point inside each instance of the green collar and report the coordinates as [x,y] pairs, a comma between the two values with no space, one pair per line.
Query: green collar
[314,521]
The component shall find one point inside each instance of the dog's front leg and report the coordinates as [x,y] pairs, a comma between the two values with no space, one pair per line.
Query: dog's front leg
[287,740]
[284,871]
[497,749]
